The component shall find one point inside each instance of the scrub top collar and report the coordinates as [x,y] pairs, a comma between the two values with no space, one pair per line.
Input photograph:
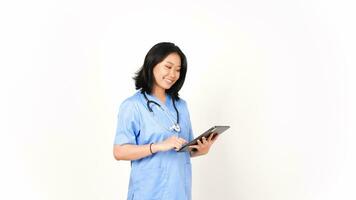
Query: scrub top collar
[168,109]
[166,105]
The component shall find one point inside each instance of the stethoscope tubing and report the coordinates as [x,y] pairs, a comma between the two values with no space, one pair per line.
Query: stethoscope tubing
[150,109]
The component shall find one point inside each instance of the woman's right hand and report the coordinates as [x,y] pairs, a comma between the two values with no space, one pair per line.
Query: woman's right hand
[172,142]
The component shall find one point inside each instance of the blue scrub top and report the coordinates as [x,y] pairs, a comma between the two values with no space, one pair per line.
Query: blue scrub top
[163,175]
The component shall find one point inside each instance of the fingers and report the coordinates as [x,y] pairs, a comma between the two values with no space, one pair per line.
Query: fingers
[173,142]
[211,136]
[178,143]
[176,138]
[194,146]
[215,137]
[204,144]
[199,142]
[203,141]
[182,140]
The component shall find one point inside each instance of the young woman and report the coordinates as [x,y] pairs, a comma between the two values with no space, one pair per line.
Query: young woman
[152,126]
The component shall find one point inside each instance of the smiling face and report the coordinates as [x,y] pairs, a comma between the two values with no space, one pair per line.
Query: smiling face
[167,72]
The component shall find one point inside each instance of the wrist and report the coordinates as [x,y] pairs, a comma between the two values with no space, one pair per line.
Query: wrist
[155,148]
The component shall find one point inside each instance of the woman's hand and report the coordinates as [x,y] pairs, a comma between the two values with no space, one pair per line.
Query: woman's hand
[172,142]
[203,146]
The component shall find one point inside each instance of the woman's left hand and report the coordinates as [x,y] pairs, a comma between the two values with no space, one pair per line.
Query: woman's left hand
[204,145]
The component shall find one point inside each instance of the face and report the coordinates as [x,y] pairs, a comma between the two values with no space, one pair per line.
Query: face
[167,72]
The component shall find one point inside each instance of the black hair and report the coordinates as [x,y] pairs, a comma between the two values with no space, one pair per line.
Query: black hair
[144,78]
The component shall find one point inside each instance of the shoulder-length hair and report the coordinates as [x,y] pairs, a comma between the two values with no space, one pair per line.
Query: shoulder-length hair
[144,78]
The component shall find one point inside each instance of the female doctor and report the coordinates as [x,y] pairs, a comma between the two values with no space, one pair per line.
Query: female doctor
[152,126]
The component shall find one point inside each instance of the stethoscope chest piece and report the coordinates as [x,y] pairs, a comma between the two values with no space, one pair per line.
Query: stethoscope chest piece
[175,127]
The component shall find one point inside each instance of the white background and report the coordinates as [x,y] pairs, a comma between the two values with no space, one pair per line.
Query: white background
[280,73]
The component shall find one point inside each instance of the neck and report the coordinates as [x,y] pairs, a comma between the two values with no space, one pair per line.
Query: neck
[160,93]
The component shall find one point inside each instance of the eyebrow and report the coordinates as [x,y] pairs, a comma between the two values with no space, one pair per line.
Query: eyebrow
[172,63]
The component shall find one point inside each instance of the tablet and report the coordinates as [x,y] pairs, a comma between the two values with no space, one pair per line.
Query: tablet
[206,134]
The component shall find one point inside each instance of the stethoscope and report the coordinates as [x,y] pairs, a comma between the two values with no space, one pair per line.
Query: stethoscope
[175,125]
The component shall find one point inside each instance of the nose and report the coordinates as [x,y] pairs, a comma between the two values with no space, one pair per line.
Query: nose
[173,73]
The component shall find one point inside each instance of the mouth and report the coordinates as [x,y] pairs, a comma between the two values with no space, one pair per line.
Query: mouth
[169,81]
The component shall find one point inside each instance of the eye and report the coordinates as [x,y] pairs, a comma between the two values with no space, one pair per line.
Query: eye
[168,67]
[178,70]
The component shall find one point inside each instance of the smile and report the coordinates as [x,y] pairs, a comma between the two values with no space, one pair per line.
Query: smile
[169,81]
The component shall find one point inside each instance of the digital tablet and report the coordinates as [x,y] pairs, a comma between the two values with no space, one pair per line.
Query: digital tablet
[206,134]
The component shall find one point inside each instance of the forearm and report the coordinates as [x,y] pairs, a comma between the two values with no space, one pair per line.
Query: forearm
[133,152]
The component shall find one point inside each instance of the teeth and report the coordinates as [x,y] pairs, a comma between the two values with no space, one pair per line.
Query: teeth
[169,81]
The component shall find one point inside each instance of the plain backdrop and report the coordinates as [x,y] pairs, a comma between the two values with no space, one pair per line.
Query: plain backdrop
[280,73]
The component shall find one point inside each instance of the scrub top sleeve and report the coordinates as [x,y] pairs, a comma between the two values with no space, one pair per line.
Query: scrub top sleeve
[191,135]
[127,123]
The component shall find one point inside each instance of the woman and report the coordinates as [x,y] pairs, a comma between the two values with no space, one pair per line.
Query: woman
[153,124]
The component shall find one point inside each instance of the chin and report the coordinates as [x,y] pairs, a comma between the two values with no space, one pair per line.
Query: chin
[167,87]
